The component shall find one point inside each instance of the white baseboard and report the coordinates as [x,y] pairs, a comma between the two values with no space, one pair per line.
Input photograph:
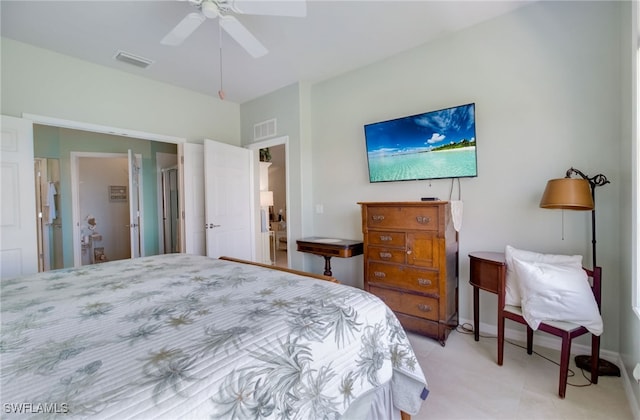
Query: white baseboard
[629,383]
[551,342]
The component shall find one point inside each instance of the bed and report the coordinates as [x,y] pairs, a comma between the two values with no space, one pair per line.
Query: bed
[184,336]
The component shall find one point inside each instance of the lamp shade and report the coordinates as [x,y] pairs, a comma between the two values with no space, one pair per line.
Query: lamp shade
[567,193]
[266,198]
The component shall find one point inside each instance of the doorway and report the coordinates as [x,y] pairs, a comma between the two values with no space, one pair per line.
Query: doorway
[278,212]
[47,137]
[275,151]
[59,143]
[102,204]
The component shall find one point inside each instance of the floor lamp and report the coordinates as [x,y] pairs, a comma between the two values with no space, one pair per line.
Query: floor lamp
[579,194]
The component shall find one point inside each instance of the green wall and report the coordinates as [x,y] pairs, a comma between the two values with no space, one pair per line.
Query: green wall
[43,82]
[58,143]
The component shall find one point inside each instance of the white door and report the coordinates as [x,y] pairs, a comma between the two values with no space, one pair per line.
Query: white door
[191,166]
[18,236]
[229,200]
[134,203]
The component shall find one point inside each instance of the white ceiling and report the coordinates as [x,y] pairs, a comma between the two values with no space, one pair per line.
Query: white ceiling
[334,37]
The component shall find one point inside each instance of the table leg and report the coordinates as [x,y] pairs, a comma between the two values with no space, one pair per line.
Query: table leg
[327,265]
[476,313]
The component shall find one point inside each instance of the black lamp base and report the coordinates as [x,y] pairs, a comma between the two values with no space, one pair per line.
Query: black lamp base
[605,368]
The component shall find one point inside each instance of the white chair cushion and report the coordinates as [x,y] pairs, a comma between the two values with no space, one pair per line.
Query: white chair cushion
[512,288]
[557,292]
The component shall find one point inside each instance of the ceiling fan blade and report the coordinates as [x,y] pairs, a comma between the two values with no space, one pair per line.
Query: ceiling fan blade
[242,36]
[293,8]
[190,23]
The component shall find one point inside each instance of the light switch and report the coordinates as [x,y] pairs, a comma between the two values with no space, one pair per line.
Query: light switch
[636,373]
[319,208]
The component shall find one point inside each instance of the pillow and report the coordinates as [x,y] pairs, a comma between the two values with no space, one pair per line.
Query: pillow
[557,292]
[512,292]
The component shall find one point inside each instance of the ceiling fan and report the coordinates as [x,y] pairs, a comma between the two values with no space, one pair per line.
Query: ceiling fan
[223,10]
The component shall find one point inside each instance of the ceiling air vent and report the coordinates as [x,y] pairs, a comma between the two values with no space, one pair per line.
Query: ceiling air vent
[264,130]
[133,59]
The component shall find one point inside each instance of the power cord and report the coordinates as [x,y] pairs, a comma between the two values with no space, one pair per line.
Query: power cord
[467,328]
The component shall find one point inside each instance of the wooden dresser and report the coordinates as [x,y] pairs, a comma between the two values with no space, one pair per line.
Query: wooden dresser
[411,263]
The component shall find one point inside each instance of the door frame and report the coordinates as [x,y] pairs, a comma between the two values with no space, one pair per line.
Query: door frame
[75,199]
[255,148]
[96,128]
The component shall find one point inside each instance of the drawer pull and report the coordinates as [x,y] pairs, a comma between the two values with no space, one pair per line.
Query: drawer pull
[424,282]
[386,238]
[423,219]
[377,217]
[379,274]
[385,255]
[424,308]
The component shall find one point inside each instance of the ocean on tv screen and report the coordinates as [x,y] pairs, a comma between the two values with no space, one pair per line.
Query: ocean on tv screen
[452,163]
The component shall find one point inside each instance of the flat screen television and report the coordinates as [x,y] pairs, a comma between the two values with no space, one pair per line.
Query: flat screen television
[432,145]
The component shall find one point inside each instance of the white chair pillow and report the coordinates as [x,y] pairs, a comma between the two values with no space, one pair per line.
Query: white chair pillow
[557,292]
[512,292]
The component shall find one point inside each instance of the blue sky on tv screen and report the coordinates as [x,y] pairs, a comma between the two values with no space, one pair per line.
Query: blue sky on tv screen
[421,132]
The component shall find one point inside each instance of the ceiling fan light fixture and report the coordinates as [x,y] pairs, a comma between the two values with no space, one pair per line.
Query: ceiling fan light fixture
[210,9]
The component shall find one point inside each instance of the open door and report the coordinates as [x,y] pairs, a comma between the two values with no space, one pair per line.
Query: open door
[192,216]
[18,236]
[229,202]
[134,203]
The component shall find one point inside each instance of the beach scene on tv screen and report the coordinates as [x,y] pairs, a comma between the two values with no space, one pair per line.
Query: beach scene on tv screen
[438,144]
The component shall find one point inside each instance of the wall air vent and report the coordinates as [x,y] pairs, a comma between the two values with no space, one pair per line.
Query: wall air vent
[264,129]
[133,59]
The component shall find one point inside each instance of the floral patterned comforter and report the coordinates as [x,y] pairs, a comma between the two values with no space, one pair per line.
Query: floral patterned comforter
[184,336]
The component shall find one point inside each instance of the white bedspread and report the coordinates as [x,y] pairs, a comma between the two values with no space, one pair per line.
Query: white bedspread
[182,336]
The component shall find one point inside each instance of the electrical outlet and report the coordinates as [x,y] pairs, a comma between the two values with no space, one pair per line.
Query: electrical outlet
[636,373]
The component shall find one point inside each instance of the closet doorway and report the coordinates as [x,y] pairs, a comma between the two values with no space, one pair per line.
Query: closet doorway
[55,138]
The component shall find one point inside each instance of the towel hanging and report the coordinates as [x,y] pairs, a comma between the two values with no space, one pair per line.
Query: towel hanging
[51,202]
[456,207]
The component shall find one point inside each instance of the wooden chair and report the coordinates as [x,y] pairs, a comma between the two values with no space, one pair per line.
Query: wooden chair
[565,330]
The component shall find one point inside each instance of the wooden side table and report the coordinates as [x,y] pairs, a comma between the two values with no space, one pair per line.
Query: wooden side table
[330,247]
[487,271]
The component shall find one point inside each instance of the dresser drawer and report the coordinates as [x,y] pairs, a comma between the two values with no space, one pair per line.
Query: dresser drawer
[421,218]
[380,253]
[422,281]
[420,306]
[396,239]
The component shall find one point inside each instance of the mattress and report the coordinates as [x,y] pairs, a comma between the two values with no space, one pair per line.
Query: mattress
[184,336]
